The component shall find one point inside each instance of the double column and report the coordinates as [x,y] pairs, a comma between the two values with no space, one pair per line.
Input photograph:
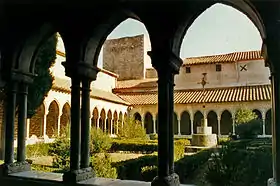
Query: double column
[17,92]
[167,65]
[80,122]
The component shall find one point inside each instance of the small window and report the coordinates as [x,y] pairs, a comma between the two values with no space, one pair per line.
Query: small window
[218,68]
[188,70]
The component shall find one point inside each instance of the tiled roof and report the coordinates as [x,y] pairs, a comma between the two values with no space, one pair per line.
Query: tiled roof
[224,58]
[211,95]
[64,86]
[138,83]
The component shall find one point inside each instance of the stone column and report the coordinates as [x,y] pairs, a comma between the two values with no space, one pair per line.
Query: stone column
[111,126]
[219,125]
[28,128]
[85,123]
[105,124]
[97,122]
[10,107]
[154,124]
[166,66]
[233,125]
[75,140]
[45,123]
[179,125]
[58,123]
[192,126]
[22,118]
[263,126]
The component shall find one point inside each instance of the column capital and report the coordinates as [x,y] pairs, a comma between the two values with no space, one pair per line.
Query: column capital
[81,70]
[164,60]
[22,77]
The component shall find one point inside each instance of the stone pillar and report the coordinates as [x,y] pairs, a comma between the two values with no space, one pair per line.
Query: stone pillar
[179,125]
[219,125]
[97,122]
[233,124]
[10,107]
[58,122]
[45,123]
[28,128]
[192,126]
[111,126]
[22,118]
[154,124]
[263,126]
[167,66]
[85,123]
[75,140]
[105,124]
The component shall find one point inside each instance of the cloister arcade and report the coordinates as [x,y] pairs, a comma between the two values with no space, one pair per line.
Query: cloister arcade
[84,26]
[186,121]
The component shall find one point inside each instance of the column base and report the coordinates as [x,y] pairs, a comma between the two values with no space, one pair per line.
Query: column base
[16,167]
[271,182]
[204,140]
[171,180]
[78,175]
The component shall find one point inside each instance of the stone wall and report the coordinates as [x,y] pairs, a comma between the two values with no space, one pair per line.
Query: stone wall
[125,57]
[151,73]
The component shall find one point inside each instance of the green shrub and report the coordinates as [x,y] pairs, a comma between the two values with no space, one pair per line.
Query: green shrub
[132,129]
[244,116]
[187,166]
[132,169]
[60,150]
[223,140]
[153,136]
[100,142]
[101,164]
[184,141]
[240,165]
[249,130]
[148,173]
[136,146]
[179,151]
[37,150]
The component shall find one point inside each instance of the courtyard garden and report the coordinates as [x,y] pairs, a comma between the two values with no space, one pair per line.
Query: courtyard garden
[236,161]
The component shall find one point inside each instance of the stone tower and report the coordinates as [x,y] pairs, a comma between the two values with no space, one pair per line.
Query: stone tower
[127,57]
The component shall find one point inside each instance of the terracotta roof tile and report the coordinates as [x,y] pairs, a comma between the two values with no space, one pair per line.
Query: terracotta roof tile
[212,95]
[224,58]
[64,86]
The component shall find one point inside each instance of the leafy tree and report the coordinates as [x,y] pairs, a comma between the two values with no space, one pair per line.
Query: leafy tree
[244,116]
[44,79]
[132,129]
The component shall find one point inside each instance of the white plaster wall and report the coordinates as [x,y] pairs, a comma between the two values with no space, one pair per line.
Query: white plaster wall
[104,82]
[230,75]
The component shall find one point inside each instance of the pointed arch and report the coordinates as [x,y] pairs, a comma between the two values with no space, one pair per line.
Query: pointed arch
[115,123]
[226,122]
[137,116]
[212,120]
[109,122]
[148,123]
[185,123]
[198,117]
[102,121]
[268,116]
[37,122]
[95,118]
[258,113]
[66,115]
[52,120]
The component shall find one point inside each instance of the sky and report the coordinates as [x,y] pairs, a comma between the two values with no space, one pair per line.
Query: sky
[219,29]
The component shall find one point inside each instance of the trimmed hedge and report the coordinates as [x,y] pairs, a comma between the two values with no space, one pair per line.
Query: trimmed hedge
[132,169]
[37,150]
[143,146]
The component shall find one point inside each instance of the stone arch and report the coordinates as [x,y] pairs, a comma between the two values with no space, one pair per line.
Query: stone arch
[37,122]
[95,117]
[226,122]
[258,113]
[65,117]
[109,122]
[137,116]
[115,123]
[268,120]
[198,118]
[125,118]
[148,123]
[175,123]
[120,118]
[185,123]
[244,7]
[212,120]
[102,122]
[52,119]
